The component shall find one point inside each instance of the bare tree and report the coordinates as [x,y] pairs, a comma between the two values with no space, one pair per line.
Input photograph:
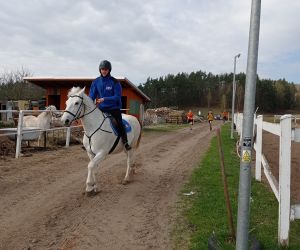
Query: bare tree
[13,87]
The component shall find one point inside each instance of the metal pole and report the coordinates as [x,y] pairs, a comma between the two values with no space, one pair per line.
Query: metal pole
[225,184]
[247,138]
[233,96]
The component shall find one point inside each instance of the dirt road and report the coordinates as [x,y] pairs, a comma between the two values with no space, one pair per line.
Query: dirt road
[42,205]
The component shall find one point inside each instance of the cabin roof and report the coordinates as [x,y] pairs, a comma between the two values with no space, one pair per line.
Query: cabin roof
[54,82]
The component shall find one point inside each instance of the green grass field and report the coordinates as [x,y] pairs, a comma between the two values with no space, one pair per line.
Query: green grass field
[204,213]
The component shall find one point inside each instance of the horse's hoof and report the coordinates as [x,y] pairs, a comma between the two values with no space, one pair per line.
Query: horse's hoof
[92,193]
[125,182]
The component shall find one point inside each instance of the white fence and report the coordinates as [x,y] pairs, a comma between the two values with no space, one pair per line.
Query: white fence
[21,133]
[282,187]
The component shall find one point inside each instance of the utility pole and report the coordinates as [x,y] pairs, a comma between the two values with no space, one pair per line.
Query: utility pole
[247,138]
[233,95]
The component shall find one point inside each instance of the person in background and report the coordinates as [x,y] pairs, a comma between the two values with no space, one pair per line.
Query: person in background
[210,118]
[107,91]
[190,118]
[225,116]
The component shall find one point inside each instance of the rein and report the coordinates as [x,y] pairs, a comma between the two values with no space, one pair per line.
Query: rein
[79,109]
[76,117]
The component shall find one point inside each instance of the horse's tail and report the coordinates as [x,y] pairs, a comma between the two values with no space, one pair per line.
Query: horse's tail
[140,135]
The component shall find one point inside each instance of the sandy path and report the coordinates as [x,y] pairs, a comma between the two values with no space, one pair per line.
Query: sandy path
[42,205]
[271,152]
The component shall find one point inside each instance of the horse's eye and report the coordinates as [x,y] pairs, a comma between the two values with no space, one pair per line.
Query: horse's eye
[76,103]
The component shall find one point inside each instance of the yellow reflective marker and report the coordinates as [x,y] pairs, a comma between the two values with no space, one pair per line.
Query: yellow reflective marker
[246,156]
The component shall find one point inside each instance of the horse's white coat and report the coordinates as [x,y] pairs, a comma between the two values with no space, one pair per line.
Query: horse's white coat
[41,121]
[79,105]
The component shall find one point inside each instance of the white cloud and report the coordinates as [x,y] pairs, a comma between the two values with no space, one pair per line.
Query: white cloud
[146,39]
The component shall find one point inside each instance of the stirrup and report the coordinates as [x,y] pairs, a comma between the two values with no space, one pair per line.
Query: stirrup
[127,146]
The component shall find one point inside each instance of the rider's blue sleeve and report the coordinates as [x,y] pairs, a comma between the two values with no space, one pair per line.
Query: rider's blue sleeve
[93,91]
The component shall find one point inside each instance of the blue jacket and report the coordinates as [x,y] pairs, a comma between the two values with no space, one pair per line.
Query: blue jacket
[109,89]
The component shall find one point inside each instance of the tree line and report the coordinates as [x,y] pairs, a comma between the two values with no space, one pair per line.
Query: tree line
[201,89]
[196,89]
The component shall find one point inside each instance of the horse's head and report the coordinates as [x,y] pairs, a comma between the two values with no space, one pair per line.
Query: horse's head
[74,106]
[51,109]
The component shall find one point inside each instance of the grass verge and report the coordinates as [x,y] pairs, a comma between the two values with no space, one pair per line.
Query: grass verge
[204,213]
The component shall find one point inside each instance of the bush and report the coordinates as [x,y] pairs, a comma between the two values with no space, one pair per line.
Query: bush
[7,124]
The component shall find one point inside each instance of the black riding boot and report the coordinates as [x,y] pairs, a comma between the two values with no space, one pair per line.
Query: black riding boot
[118,116]
[124,138]
[125,141]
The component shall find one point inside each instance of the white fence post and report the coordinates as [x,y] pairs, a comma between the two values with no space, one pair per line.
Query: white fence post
[238,118]
[19,134]
[259,125]
[281,188]
[284,179]
[68,137]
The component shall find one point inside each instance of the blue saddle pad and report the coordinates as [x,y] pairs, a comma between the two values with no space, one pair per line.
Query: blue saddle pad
[126,126]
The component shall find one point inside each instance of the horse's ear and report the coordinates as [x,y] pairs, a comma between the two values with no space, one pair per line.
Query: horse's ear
[82,91]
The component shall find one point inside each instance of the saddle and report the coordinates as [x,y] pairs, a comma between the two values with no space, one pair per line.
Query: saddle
[113,124]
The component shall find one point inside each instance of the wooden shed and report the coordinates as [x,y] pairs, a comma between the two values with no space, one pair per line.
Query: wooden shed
[57,88]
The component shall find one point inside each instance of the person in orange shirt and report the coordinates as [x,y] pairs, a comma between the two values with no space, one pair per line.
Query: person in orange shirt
[210,118]
[190,118]
[225,116]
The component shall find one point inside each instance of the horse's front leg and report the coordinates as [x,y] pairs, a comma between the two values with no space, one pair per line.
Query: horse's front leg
[130,169]
[91,186]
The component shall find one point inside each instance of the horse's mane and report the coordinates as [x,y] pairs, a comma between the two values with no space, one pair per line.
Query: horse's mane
[47,114]
[74,90]
[51,107]
[77,90]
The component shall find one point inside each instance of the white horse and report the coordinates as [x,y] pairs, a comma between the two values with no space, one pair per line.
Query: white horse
[41,121]
[99,138]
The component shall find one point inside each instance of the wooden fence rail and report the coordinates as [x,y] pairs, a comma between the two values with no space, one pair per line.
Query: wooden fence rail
[282,187]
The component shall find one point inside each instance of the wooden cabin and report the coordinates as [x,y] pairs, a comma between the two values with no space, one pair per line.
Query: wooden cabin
[57,88]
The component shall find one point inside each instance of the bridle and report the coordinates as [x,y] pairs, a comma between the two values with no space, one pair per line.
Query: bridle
[76,115]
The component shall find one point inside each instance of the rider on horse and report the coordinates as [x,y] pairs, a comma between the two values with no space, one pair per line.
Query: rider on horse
[107,92]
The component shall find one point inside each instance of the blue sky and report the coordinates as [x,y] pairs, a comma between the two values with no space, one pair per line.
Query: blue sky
[147,38]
